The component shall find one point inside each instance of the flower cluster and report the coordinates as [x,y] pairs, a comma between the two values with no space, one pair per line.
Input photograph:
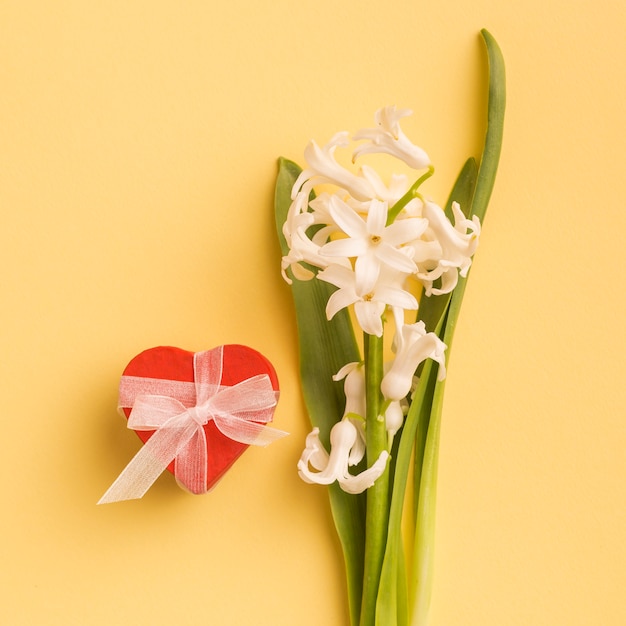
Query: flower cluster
[372,240]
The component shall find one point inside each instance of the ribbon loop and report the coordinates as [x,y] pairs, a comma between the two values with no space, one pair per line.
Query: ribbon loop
[240,412]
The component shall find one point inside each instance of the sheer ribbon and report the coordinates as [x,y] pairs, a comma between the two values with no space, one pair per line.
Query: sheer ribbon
[178,411]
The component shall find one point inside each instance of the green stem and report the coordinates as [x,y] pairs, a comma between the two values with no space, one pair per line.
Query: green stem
[394,211]
[377,513]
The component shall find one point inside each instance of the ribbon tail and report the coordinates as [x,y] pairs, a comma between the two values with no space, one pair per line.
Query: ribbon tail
[190,468]
[148,464]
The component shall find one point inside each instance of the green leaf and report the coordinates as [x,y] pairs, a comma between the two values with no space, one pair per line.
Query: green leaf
[392,605]
[432,311]
[495,127]
[392,596]
[425,524]
[424,544]
[325,346]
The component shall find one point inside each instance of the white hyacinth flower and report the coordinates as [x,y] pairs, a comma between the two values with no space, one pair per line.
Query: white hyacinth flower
[416,346]
[302,250]
[457,243]
[302,247]
[342,235]
[368,307]
[323,168]
[353,375]
[371,241]
[318,466]
[390,193]
[389,138]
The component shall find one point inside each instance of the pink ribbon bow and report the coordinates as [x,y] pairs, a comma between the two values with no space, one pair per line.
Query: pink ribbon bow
[178,411]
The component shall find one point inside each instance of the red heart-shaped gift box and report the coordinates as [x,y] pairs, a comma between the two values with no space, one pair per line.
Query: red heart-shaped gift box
[169,363]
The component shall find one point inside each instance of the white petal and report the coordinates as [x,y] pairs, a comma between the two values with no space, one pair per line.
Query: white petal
[390,139]
[347,218]
[376,218]
[358,449]
[395,258]
[395,385]
[396,297]
[405,230]
[338,275]
[394,418]
[354,390]
[364,480]
[322,164]
[300,272]
[398,185]
[338,300]
[369,315]
[322,235]
[344,248]
[314,453]
[345,370]
[366,270]
[449,281]
[342,437]
[417,346]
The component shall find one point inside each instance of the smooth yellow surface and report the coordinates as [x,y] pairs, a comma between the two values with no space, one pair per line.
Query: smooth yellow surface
[137,159]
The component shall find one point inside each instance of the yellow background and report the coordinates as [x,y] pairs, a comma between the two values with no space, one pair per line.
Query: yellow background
[137,159]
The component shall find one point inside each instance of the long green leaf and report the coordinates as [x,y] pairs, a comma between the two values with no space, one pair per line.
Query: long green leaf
[495,127]
[432,311]
[325,346]
[392,596]
[423,557]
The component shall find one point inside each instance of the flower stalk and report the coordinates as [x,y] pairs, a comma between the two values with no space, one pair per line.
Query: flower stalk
[411,194]
[353,248]
[377,514]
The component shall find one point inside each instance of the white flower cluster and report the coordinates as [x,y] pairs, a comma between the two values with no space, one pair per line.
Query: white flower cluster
[367,238]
